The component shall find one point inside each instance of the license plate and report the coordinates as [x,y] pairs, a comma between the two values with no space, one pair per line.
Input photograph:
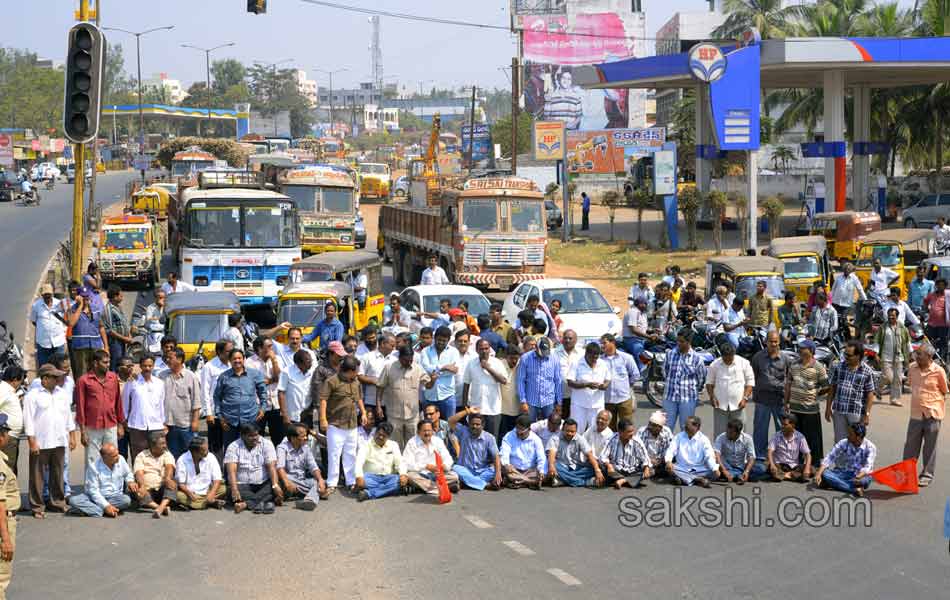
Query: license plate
[505,282]
[247,292]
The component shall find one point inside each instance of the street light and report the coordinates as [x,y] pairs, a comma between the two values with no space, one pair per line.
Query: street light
[273,65]
[138,59]
[330,73]
[208,52]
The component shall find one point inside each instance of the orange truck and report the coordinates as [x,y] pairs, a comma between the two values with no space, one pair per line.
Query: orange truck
[490,234]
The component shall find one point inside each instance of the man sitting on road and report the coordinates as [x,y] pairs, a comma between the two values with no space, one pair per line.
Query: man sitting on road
[547,428]
[522,456]
[420,463]
[155,475]
[598,435]
[200,482]
[789,458]
[251,464]
[656,438]
[848,466]
[297,469]
[625,459]
[379,469]
[571,460]
[104,488]
[735,453]
[690,457]
[478,463]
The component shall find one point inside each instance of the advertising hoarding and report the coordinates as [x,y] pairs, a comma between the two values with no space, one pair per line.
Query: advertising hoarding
[610,151]
[548,140]
[482,140]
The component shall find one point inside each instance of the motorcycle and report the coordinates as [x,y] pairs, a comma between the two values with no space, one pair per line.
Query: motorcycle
[654,358]
[196,362]
[31,198]
[10,353]
[146,338]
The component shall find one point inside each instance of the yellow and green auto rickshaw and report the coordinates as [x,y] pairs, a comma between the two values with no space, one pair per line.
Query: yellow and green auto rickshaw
[199,319]
[806,263]
[741,274]
[900,250]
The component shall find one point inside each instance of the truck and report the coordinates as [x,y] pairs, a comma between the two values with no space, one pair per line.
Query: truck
[375,180]
[490,234]
[326,199]
[130,249]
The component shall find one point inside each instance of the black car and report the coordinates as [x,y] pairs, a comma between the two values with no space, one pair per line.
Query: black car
[9,186]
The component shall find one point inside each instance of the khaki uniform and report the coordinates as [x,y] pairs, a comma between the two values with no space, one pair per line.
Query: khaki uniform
[10,495]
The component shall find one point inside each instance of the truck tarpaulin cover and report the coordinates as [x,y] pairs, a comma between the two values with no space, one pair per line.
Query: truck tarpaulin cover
[609,151]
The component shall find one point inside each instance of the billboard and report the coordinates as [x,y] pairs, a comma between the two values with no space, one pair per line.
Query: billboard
[610,151]
[548,140]
[6,150]
[482,139]
[530,7]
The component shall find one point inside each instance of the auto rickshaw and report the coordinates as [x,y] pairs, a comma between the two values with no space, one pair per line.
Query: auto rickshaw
[199,319]
[806,263]
[843,231]
[900,250]
[741,274]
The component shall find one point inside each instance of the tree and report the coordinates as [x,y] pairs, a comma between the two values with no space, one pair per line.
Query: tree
[689,204]
[116,83]
[225,74]
[611,199]
[782,155]
[501,133]
[276,91]
[222,148]
[684,134]
[768,16]
[718,201]
[641,200]
[30,96]
[772,208]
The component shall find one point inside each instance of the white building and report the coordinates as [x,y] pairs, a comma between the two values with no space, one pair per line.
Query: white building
[171,90]
[307,87]
[371,118]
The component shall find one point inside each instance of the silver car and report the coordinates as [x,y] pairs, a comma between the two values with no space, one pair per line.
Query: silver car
[925,212]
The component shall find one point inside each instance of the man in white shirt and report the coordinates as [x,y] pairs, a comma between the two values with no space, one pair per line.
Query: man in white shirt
[734,321]
[690,457]
[482,381]
[47,317]
[547,428]
[173,285]
[266,360]
[942,232]
[905,315]
[208,376]
[372,364]
[589,379]
[294,343]
[359,281]
[880,279]
[466,349]
[846,287]
[143,402]
[13,378]
[729,383]
[641,289]
[636,330]
[434,274]
[420,463]
[718,305]
[567,355]
[199,477]
[293,388]
[598,435]
[48,425]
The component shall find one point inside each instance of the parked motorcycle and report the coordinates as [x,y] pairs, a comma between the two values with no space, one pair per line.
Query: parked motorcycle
[11,355]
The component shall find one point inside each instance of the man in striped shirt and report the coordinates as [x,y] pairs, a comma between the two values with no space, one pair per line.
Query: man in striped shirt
[685,375]
[539,382]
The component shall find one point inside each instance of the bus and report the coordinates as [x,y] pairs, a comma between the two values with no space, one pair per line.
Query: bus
[238,236]
[326,199]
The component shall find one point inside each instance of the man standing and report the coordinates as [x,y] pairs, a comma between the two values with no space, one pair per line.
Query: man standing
[567,355]
[881,279]
[294,343]
[9,505]
[478,463]
[589,379]
[433,274]
[172,285]
[928,395]
[522,456]
[483,379]
[372,364]
[938,316]
[251,464]
[848,466]
[585,211]
[440,362]
[571,460]
[806,379]
[398,390]
[893,340]
[340,399]
[208,377]
[47,318]
[239,397]
[729,385]
[685,375]
[641,289]
[625,459]
[846,287]
[419,460]
[155,312]
[88,332]
[200,482]
[598,435]
[510,403]
[330,329]
[503,328]
[735,453]
[293,389]
[920,287]
[823,320]
[539,382]
[155,475]
[104,485]
[769,367]
[266,360]
[117,327]
[760,306]
[143,404]
[852,391]
[789,457]
[690,457]
[298,471]
[182,403]
[379,467]
[623,375]
[12,378]
[99,409]
[48,425]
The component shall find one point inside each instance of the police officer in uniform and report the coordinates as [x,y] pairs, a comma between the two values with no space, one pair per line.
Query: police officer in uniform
[9,505]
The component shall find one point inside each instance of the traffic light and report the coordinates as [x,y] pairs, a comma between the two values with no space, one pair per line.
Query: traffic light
[258,7]
[85,59]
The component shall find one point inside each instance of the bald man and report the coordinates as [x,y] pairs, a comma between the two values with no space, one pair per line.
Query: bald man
[105,486]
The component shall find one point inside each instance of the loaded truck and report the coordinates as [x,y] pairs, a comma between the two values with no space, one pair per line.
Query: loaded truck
[130,249]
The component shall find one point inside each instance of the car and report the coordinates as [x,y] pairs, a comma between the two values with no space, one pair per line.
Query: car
[401,187]
[9,185]
[43,171]
[359,232]
[554,216]
[426,298]
[583,308]
[925,212]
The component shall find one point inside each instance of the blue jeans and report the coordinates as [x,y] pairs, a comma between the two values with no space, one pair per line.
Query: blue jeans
[576,477]
[46,355]
[378,486]
[477,478]
[634,346]
[760,425]
[446,407]
[759,471]
[178,440]
[84,504]
[842,480]
[540,412]
[678,410]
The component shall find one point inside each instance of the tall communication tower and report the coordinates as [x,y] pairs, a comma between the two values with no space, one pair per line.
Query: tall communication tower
[376,58]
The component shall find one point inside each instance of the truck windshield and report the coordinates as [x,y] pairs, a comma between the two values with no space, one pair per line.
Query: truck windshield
[480,215]
[317,199]
[526,216]
[215,226]
[184,167]
[302,313]
[125,239]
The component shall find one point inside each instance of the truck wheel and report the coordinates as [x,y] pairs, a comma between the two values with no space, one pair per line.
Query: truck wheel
[397,267]
[409,276]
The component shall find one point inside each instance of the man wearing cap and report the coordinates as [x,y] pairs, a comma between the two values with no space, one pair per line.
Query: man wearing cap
[325,369]
[9,505]
[104,489]
[848,466]
[656,438]
[729,384]
[47,423]
[539,382]
[398,387]
[89,333]
[807,379]
[48,319]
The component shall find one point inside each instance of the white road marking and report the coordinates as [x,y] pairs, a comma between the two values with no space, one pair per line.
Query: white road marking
[478,522]
[519,548]
[565,577]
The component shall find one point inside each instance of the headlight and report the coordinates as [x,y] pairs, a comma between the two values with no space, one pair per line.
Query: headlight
[201,281]
[345,238]
[143,264]
[106,265]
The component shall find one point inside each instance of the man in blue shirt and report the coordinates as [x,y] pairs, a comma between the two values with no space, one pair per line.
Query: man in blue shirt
[330,329]
[585,214]
[105,484]
[539,382]
[920,287]
[522,456]
[479,464]
[239,397]
[440,362]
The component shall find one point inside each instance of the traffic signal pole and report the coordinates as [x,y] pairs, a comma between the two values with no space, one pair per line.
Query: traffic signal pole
[79,162]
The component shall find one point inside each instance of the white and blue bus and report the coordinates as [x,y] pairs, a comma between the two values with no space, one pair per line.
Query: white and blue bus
[238,236]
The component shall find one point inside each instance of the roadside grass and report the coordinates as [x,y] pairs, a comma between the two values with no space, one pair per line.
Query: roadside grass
[623,261]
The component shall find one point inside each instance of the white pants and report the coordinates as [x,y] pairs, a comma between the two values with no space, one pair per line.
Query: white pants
[341,442]
[893,371]
[585,417]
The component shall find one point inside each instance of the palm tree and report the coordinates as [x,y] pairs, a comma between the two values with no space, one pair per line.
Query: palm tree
[768,16]
[782,155]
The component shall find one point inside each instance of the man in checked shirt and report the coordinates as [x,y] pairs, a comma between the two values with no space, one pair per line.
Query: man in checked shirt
[685,375]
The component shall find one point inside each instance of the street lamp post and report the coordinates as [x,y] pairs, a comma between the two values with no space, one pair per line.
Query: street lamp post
[273,66]
[138,60]
[330,74]
[208,52]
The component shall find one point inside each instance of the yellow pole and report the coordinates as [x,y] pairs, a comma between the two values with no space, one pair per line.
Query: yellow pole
[79,161]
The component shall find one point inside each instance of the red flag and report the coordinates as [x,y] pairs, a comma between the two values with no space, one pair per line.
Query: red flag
[902,476]
[445,496]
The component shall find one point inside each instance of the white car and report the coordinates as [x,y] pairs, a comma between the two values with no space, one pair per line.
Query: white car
[426,298]
[583,308]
